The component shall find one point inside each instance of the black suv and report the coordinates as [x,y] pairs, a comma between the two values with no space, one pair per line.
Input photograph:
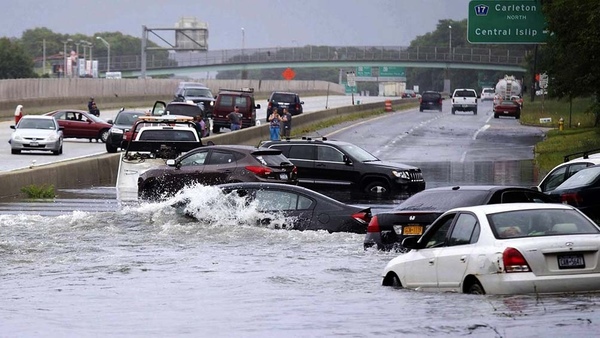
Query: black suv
[430,100]
[281,100]
[122,123]
[197,93]
[327,163]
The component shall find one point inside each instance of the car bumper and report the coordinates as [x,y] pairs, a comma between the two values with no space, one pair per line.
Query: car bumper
[426,106]
[529,283]
[114,140]
[39,145]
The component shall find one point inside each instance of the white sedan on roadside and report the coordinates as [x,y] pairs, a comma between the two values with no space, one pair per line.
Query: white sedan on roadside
[37,132]
[515,248]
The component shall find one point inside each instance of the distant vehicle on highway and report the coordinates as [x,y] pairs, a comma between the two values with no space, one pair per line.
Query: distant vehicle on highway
[81,124]
[197,93]
[487,94]
[430,100]
[281,100]
[121,124]
[34,132]
[464,99]
[225,103]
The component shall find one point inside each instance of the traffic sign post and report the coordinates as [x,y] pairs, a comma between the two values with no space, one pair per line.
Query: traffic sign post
[351,78]
[492,21]
[392,74]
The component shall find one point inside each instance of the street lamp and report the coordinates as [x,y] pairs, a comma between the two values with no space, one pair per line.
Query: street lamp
[450,41]
[243,40]
[91,59]
[65,55]
[108,48]
[84,44]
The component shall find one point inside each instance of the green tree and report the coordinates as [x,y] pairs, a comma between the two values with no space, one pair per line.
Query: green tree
[15,63]
[571,57]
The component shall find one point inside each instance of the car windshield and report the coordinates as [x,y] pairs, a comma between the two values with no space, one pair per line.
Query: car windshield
[581,178]
[198,92]
[533,223]
[36,124]
[441,200]
[184,109]
[127,118]
[358,153]
[282,97]
[488,91]
[431,96]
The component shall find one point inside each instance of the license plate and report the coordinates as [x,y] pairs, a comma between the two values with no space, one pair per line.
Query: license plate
[571,261]
[465,106]
[34,144]
[283,176]
[412,230]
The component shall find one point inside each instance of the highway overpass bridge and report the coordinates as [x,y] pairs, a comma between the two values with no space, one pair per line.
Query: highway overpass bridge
[498,59]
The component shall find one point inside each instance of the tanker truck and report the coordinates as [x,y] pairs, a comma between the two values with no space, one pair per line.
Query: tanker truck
[508,100]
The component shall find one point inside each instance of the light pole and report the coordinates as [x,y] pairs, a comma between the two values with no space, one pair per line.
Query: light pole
[65,55]
[243,40]
[84,44]
[91,59]
[450,41]
[76,68]
[108,48]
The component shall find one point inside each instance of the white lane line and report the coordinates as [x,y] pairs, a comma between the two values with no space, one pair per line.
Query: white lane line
[480,130]
[463,157]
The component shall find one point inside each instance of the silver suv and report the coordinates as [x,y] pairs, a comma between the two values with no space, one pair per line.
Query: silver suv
[464,100]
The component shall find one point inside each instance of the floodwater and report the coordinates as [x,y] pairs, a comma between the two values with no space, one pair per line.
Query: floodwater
[86,266]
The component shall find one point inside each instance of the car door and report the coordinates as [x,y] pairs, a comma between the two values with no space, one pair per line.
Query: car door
[453,259]
[296,208]
[64,121]
[219,166]
[332,168]
[82,125]
[560,174]
[303,157]
[190,170]
[421,269]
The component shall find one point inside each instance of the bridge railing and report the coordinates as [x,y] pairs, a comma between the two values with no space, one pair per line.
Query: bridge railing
[500,56]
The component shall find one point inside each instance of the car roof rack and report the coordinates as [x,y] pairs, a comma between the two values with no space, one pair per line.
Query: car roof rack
[243,90]
[585,154]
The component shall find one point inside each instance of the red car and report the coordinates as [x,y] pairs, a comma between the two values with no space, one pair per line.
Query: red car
[81,124]
[503,107]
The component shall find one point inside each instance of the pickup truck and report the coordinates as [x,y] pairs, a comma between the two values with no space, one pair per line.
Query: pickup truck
[464,100]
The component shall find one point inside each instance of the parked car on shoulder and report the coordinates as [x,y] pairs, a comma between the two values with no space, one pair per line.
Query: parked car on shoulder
[81,124]
[281,100]
[409,94]
[464,99]
[572,164]
[34,132]
[502,249]
[225,103]
[303,209]
[411,218]
[582,190]
[121,124]
[430,100]
[218,164]
[328,163]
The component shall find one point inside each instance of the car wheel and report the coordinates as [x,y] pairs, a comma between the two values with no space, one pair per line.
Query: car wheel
[110,148]
[475,112]
[60,150]
[103,135]
[476,289]
[392,280]
[55,152]
[495,116]
[15,151]
[216,129]
[377,189]
[453,111]
[421,109]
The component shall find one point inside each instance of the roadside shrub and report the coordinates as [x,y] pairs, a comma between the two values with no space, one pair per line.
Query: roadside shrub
[39,191]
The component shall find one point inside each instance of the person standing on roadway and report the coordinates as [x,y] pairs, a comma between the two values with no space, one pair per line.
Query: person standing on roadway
[275,125]
[235,119]
[287,123]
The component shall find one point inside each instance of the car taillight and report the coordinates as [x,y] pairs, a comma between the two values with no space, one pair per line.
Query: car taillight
[297,106]
[573,199]
[373,225]
[295,170]
[258,170]
[440,101]
[514,261]
[270,104]
[363,216]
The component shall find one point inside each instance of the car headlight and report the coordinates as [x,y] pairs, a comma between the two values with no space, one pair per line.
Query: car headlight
[53,137]
[114,130]
[212,103]
[401,174]
[17,137]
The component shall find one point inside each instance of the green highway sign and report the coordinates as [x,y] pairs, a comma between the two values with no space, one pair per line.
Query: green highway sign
[392,72]
[349,89]
[362,71]
[492,21]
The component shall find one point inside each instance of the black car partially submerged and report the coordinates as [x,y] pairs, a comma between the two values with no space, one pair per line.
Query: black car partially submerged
[387,230]
[303,209]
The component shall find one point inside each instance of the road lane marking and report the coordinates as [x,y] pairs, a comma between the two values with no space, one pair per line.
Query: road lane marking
[480,130]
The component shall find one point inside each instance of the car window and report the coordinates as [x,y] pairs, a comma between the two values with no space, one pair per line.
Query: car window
[167,135]
[465,93]
[576,167]
[554,179]
[198,92]
[358,153]
[437,238]
[282,97]
[281,200]
[325,153]
[221,157]
[465,231]
[488,91]
[36,124]
[274,160]
[443,200]
[522,197]
[184,109]
[528,223]
[302,152]
[194,159]
[127,118]
[581,178]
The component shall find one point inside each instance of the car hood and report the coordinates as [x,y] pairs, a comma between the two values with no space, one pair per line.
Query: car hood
[392,165]
[34,133]
[122,126]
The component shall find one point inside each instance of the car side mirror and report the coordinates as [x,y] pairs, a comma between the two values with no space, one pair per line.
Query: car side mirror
[12,127]
[301,102]
[171,163]
[110,122]
[258,106]
[411,242]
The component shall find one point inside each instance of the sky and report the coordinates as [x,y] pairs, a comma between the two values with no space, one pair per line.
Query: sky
[231,23]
